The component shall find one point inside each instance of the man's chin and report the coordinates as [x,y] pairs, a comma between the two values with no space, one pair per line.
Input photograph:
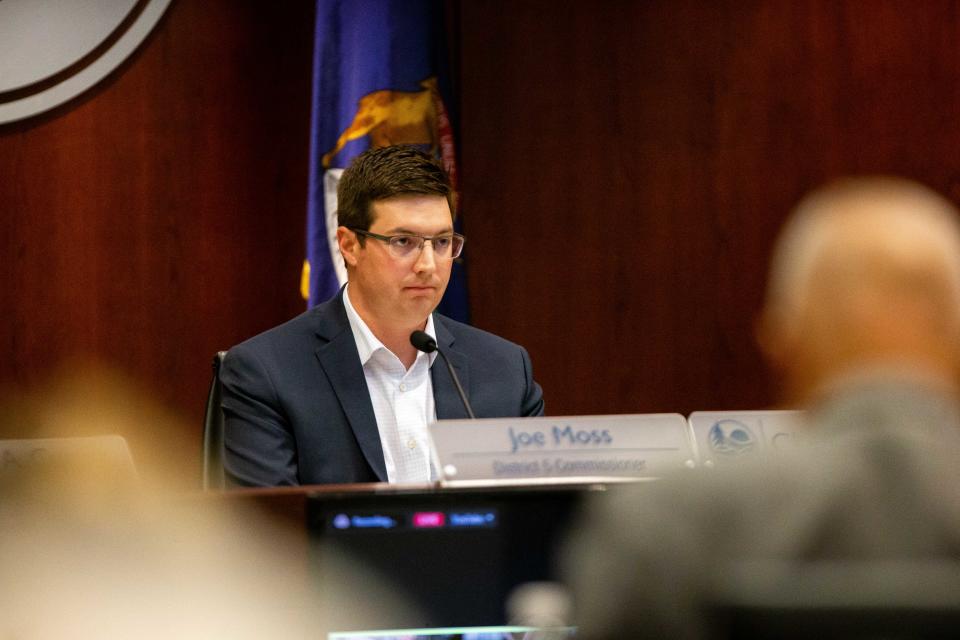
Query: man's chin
[421,303]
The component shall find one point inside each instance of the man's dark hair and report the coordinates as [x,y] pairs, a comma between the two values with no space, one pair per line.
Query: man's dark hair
[386,172]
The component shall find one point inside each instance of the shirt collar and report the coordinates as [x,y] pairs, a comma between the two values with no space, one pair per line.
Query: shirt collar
[367,343]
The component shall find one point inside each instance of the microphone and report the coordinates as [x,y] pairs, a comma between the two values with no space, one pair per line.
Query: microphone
[423,342]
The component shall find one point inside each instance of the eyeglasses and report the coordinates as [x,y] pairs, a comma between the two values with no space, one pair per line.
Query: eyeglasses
[448,245]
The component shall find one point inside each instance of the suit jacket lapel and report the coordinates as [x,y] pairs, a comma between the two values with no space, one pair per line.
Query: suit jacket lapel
[445,396]
[340,361]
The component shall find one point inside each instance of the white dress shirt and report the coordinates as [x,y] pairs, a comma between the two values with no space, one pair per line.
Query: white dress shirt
[402,400]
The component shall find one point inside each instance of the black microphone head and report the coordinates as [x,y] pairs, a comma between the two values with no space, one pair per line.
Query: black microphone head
[423,342]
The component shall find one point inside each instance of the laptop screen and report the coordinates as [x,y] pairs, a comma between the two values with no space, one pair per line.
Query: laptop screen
[450,558]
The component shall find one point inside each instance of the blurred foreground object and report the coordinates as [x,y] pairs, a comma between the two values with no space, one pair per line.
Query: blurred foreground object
[88,399]
[91,550]
[862,320]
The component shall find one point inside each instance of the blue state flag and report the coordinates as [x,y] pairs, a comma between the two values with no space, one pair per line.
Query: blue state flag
[379,77]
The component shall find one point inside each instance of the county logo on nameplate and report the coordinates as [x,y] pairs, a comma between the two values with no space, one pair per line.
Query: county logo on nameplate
[630,446]
[728,437]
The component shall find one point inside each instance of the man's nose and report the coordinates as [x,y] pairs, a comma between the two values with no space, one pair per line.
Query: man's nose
[426,261]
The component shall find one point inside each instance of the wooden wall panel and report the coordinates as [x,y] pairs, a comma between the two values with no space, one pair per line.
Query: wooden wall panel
[160,217]
[626,166]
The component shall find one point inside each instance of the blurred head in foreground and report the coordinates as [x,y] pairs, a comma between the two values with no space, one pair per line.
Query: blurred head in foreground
[96,547]
[862,318]
[865,276]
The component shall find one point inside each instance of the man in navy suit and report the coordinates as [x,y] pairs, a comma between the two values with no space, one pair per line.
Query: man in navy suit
[339,393]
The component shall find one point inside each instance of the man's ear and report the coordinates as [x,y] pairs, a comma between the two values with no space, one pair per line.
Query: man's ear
[349,245]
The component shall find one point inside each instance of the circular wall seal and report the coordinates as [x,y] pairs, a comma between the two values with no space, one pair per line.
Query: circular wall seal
[51,52]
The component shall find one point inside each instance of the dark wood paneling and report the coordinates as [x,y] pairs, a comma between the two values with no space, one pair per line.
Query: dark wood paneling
[626,166]
[160,217]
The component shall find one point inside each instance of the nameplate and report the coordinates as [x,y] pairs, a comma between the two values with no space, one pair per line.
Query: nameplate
[722,437]
[23,455]
[628,446]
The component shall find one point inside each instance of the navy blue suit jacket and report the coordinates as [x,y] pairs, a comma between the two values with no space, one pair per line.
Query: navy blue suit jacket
[298,411]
